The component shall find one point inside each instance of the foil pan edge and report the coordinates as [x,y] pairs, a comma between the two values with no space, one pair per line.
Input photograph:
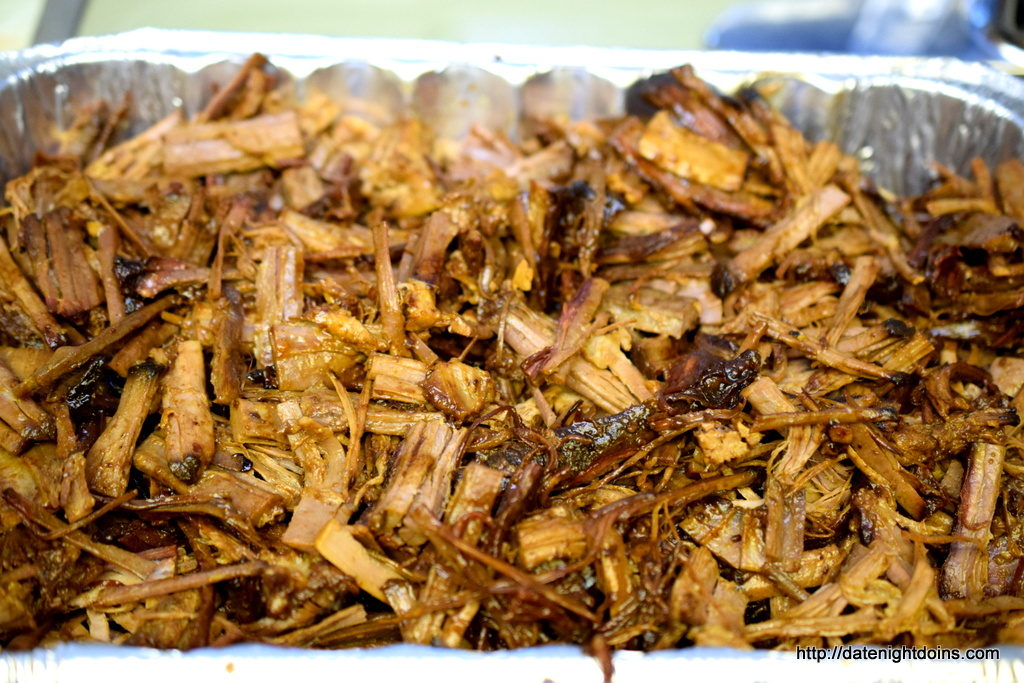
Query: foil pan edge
[918,111]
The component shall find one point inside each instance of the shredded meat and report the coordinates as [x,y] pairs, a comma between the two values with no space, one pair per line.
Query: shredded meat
[278,374]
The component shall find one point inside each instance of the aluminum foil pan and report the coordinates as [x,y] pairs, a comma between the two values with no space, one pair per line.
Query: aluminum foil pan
[897,115]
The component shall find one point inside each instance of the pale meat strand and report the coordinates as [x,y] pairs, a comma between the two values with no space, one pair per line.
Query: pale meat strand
[187,422]
[865,270]
[795,338]
[388,301]
[802,440]
[528,332]
[109,461]
[109,242]
[777,241]
[117,595]
[278,296]
[965,572]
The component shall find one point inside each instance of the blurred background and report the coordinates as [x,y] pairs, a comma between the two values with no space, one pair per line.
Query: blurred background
[644,23]
[971,29]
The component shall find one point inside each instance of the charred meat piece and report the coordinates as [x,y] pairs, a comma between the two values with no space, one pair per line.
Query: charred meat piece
[703,380]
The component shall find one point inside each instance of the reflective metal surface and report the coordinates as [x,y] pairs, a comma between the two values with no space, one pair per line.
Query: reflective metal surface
[898,114]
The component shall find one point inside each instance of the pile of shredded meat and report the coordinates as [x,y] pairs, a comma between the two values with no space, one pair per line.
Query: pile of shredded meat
[278,374]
